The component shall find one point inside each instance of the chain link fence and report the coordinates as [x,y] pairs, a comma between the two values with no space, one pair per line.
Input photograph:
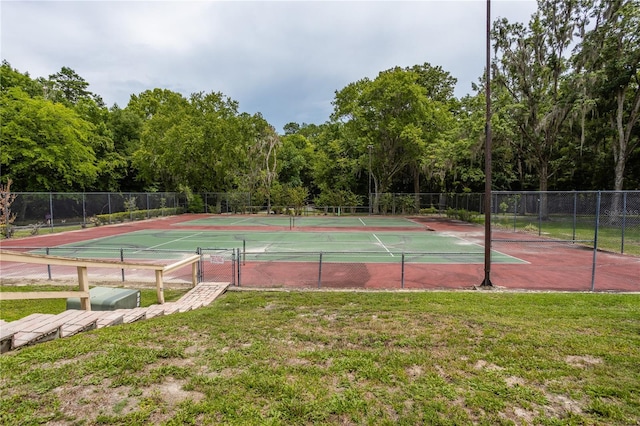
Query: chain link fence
[59,209]
[605,220]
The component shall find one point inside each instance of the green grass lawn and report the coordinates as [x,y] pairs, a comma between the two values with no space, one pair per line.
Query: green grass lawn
[283,358]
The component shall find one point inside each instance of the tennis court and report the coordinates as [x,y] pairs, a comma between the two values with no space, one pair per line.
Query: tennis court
[351,246]
[339,252]
[352,222]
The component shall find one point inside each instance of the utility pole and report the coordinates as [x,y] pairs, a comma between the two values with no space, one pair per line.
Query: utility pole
[370,147]
[486,282]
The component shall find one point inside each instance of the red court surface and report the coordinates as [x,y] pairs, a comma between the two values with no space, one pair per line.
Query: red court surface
[549,266]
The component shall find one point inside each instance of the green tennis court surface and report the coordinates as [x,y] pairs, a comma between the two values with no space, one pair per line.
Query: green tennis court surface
[375,247]
[303,221]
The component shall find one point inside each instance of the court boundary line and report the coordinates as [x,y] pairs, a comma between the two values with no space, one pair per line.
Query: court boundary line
[168,242]
[382,244]
[526,262]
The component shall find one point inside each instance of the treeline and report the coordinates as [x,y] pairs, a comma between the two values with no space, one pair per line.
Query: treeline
[565,95]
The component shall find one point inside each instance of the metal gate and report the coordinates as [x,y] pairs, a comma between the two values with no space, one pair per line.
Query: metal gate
[218,265]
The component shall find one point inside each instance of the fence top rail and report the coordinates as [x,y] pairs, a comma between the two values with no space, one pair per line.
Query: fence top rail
[43,259]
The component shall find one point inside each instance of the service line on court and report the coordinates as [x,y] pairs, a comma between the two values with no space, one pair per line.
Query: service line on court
[240,221]
[169,242]
[360,219]
[382,244]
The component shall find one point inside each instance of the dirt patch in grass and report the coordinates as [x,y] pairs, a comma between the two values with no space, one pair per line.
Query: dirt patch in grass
[582,360]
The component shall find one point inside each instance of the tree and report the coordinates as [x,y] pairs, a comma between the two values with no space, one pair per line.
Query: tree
[6,216]
[531,64]
[394,115]
[610,55]
[164,130]
[67,87]
[264,152]
[44,146]
[125,127]
[10,77]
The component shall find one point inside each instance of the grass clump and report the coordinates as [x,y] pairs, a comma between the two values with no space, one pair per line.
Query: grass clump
[286,358]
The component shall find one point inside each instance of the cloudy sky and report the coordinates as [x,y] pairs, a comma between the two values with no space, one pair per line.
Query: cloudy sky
[284,59]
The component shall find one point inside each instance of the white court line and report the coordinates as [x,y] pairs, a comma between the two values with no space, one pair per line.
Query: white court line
[382,244]
[362,221]
[169,242]
[240,221]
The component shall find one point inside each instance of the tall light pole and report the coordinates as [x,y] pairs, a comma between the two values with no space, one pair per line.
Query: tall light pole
[370,147]
[486,282]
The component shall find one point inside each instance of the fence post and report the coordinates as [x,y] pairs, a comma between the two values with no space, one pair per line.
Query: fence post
[624,220]
[200,272]
[320,271]
[239,270]
[233,266]
[540,214]
[109,202]
[575,214]
[48,266]
[122,260]
[50,212]
[515,213]
[595,242]
[402,274]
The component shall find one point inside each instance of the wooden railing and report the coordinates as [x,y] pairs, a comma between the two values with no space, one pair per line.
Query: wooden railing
[83,281]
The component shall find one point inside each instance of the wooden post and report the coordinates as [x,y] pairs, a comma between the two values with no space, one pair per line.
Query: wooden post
[83,280]
[159,286]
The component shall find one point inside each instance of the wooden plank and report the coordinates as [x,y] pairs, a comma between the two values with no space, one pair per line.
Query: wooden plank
[159,287]
[183,262]
[83,281]
[27,295]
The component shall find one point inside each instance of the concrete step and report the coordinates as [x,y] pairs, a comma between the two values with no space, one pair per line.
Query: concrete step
[75,321]
[37,328]
[109,318]
[32,329]
[155,311]
[132,315]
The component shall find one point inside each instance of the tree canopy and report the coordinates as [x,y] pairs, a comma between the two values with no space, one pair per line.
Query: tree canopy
[566,112]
